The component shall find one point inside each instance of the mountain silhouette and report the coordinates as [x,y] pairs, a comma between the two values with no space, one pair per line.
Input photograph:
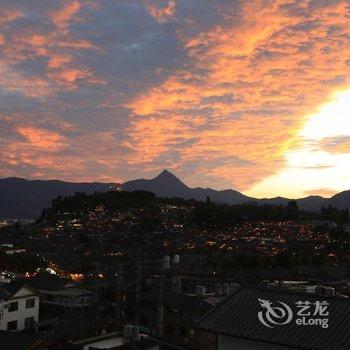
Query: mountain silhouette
[25,199]
[167,184]
[341,200]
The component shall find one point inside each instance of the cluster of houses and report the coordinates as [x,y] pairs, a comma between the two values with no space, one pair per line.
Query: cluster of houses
[20,299]
[19,306]
[211,317]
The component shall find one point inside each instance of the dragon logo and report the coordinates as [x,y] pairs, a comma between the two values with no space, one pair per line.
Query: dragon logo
[273,316]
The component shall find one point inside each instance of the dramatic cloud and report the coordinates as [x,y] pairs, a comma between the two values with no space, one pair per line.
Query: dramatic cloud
[39,54]
[253,78]
[217,90]
[42,138]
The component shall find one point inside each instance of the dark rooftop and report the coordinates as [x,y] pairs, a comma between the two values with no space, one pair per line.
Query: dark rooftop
[17,341]
[237,316]
[9,289]
[191,302]
[47,281]
[147,343]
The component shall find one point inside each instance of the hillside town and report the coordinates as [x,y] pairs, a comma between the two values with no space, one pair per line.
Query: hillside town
[120,268]
[174,175]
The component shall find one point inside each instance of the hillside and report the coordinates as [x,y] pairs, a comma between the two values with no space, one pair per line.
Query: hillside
[25,199]
[167,184]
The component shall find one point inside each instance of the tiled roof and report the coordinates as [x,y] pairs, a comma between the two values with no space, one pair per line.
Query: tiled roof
[146,344]
[237,316]
[46,281]
[10,289]
[192,302]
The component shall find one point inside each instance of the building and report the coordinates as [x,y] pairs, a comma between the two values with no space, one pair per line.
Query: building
[33,341]
[105,341]
[63,292]
[172,315]
[10,249]
[263,319]
[127,341]
[3,223]
[67,307]
[19,306]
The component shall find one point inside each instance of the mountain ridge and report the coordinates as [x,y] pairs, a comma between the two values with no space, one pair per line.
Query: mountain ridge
[230,196]
[24,199]
[166,184]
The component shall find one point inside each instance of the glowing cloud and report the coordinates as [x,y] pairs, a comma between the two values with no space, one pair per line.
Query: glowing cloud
[323,154]
[332,120]
[41,138]
[254,83]
[160,12]
[245,94]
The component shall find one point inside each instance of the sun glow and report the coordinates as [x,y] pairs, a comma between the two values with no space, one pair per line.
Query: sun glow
[321,161]
[332,120]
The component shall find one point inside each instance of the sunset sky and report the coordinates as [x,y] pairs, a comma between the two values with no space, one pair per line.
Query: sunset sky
[246,94]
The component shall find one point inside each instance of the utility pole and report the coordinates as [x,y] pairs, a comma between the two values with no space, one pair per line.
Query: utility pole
[94,324]
[82,330]
[118,303]
[160,301]
[137,293]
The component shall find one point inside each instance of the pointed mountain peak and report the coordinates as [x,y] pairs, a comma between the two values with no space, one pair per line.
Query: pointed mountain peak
[166,184]
[167,177]
[166,173]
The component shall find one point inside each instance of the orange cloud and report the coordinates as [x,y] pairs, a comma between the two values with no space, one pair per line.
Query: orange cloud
[159,12]
[2,39]
[69,75]
[254,82]
[8,14]
[56,46]
[234,88]
[58,60]
[42,138]
[13,81]
[336,145]
[154,137]
[48,154]
[65,14]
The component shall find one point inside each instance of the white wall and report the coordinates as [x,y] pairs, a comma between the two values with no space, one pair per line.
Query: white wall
[22,313]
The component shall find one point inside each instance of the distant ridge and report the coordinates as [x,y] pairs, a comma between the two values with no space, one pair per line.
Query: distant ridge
[167,184]
[25,199]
